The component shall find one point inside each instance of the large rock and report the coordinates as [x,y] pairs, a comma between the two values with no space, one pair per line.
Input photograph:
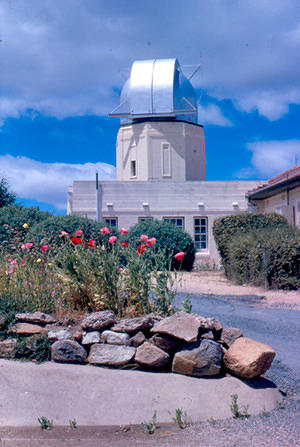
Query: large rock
[68,351]
[229,335]
[36,318]
[180,325]
[149,355]
[114,355]
[203,358]
[59,333]
[114,338]
[132,325]
[27,329]
[209,324]
[164,342]
[98,320]
[7,348]
[137,340]
[90,338]
[248,358]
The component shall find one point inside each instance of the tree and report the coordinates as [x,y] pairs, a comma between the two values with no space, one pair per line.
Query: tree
[6,196]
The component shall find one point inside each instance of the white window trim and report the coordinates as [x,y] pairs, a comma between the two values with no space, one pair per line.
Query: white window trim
[165,146]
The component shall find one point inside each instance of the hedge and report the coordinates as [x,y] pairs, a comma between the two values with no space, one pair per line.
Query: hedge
[169,238]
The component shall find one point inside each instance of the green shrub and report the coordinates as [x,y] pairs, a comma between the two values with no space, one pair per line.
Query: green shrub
[49,229]
[271,254]
[36,347]
[170,240]
[12,219]
[224,228]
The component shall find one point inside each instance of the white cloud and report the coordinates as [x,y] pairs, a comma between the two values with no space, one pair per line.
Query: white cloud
[65,58]
[270,158]
[211,114]
[48,182]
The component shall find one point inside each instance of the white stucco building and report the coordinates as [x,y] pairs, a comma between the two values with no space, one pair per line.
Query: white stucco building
[161,162]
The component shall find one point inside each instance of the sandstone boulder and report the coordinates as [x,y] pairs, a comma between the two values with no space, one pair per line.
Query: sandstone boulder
[59,333]
[209,324]
[114,355]
[98,320]
[164,342]
[114,338]
[36,318]
[132,325]
[68,351]
[180,325]
[229,335]
[248,358]
[203,358]
[27,329]
[149,355]
[7,348]
[90,338]
[137,339]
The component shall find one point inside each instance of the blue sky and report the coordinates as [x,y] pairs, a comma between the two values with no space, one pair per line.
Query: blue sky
[63,63]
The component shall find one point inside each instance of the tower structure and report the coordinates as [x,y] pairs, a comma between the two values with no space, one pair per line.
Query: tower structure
[159,137]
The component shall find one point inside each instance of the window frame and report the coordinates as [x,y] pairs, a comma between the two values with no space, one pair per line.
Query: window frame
[108,220]
[203,236]
[169,218]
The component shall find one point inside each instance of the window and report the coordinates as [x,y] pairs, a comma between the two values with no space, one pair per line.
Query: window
[146,218]
[177,221]
[133,168]
[111,222]
[166,159]
[200,232]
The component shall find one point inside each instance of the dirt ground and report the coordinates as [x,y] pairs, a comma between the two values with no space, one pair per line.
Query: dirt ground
[214,282]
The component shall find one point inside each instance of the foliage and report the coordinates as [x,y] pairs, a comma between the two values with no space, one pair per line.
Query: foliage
[35,347]
[45,423]
[73,423]
[234,408]
[150,426]
[6,196]
[12,219]
[271,255]
[170,240]
[180,418]
[8,310]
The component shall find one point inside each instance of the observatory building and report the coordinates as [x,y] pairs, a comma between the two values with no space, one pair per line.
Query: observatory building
[160,162]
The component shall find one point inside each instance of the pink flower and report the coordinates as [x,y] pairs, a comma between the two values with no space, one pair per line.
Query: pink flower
[104,230]
[120,269]
[13,262]
[112,239]
[151,241]
[27,245]
[143,238]
[44,248]
[63,234]
[124,244]
[78,233]
[91,243]
[180,255]
[123,231]
[141,249]
[11,270]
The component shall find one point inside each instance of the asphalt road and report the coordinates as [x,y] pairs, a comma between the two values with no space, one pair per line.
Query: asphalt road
[277,327]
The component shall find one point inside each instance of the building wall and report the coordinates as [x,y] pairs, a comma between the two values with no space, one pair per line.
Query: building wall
[129,201]
[286,203]
[143,143]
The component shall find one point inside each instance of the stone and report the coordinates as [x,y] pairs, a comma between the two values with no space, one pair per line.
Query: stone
[36,318]
[137,339]
[59,333]
[7,348]
[164,342]
[27,329]
[150,355]
[248,358]
[68,351]
[209,324]
[114,338]
[180,325]
[203,358]
[132,325]
[90,338]
[98,320]
[209,335]
[113,355]
[77,335]
[229,335]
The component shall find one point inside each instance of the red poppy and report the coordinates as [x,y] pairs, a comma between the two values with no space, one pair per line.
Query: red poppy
[180,255]
[76,240]
[78,233]
[141,249]
[112,239]
[151,241]
[44,248]
[143,238]
[124,244]
[91,243]
[123,231]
